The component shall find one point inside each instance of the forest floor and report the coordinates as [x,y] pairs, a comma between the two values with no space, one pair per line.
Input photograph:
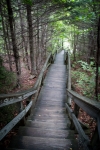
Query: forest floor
[26,79]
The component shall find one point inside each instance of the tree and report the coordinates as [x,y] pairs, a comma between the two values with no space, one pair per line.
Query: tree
[13,37]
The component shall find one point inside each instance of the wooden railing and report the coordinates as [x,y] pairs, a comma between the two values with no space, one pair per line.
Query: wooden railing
[7,99]
[91,107]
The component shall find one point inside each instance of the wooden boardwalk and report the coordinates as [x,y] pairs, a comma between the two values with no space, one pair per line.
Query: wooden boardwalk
[47,128]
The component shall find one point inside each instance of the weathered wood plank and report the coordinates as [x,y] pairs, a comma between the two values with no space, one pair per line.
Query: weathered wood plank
[38,143]
[92,107]
[51,124]
[13,100]
[49,133]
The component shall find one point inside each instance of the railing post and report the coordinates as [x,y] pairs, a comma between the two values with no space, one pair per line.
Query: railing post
[51,60]
[76,112]
[27,102]
[65,57]
[95,139]
[23,120]
[69,77]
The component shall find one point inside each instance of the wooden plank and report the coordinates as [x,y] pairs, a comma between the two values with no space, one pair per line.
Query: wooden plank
[52,93]
[57,76]
[49,133]
[15,149]
[84,99]
[58,66]
[55,84]
[92,107]
[49,110]
[59,70]
[49,118]
[51,124]
[13,100]
[50,79]
[49,99]
[38,143]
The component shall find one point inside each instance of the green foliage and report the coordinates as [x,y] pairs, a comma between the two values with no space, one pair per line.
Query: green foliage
[28,2]
[84,78]
[5,116]
[59,1]
[7,80]
[87,67]
[99,70]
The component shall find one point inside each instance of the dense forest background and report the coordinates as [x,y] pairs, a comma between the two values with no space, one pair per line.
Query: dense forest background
[32,29]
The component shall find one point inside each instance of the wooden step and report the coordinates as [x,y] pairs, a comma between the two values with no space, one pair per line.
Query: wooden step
[15,149]
[50,79]
[49,110]
[50,115]
[50,103]
[46,89]
[56,109]
[57,75]
[59,62]
[53,118]
[39,143]
[58,66]
[49,133]
[59,70]
[51,93]
[55,84]
[48,124]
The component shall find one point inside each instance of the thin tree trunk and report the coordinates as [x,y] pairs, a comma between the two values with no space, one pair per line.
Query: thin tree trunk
[23,38]
[5,39]
[15,50]
[97,59]
[38,40]
[29,20]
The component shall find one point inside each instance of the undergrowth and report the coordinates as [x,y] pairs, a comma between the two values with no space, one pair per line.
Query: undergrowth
[5,116]
[7,79]
[83,77]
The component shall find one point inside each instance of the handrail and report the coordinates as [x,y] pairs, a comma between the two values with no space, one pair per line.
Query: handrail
[90,102]
[83,136]
[7,99]
[69,77]
[92,107]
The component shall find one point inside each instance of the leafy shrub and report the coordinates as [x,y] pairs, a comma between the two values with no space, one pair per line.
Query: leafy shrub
[7,80]
[87,67]
[7,113]
[84,78]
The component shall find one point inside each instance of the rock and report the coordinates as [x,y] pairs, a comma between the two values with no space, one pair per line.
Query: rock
[32,77]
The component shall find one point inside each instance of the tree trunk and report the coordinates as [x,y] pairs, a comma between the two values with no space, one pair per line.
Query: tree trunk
[97,60]
[23,38]
[5,38]
[13,38]
[29,20]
